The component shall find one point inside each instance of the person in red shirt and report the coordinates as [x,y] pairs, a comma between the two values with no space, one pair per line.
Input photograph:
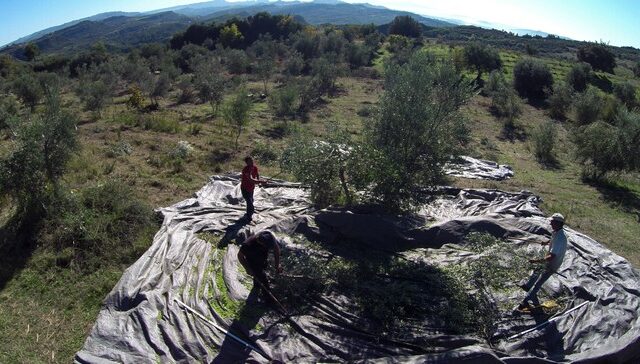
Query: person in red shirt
[250,178]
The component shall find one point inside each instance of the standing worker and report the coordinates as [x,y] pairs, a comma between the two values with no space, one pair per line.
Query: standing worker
[250,178]
[254,254]
[552,260]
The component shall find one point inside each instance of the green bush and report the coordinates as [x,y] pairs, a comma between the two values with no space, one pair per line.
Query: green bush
[598,55]
[43,145]
[602,147]
[579,76]
[9,109]
[285,102]
[236,113]
[544,139]
[560,101]
[99,226]
[406,26]
[481,58]
[587,106]
[28,89]
[505,103]
[532,78]
[626,92]
[322,165]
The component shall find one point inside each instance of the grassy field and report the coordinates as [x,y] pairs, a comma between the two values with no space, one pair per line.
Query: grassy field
[47,311]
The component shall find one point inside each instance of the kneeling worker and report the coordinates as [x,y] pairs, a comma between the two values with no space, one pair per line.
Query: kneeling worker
[253,256]
[552,260]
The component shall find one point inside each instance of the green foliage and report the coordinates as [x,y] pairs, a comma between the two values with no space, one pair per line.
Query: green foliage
[42,147]
[325,74]
[322,165]
[358,55]
[418,129]
[602,147]
[236,61]
[28,89]
[31,51]
[230,36]
[598,55]
[579,76]
[560,101]
[626,92]
[481,58]
[97,227]
[9,110]
[587,106]
[285,101]
[209,83]
[544,139]
[136,99]
[532,78]
[265,152]
[505,102]
[161,87]
[236,113]
[406,26]
[94,88]
[294,64]
[636,69]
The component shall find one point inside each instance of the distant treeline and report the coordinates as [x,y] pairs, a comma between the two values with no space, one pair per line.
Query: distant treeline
[238,33]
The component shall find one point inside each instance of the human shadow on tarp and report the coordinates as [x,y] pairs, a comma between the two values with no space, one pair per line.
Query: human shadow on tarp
[231,232]
[231,350]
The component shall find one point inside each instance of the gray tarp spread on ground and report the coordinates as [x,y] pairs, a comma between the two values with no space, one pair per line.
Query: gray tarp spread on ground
[469,167]
[141,321]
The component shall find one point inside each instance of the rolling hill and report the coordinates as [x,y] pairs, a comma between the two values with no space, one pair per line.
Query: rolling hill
[125,30]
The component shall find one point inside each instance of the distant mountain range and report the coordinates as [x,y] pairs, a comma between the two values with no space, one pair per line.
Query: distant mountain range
[125,30]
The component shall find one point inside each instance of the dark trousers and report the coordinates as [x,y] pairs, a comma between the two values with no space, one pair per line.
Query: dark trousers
[534,284]
[248,197]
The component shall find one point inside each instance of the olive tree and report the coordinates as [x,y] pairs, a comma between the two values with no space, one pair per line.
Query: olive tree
[42,147]
[418,128]
[236,113]
[481,58]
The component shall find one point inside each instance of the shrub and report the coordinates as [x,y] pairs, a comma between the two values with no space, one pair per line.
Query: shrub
[322,165]
[236,113]
[602,147]
[358,55]
[284,102]
[417,130]
[210,84]
[506,104]
[326,74]
[236,61]
[136,99]
[9,109]
[481,58]
[560,101]
[93,94]
[98,227]
[406,26]
[588,106]
[532,78]
[626,92]
[43,146]
[598,56]
[544,139]
[28,89]
[495,82]
[579,76]
[183,150]
[294,64]
[187,93]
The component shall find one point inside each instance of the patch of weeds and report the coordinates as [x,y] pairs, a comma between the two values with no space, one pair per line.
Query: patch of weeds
[120,149]
[365,111]
[161,124]
[195,129]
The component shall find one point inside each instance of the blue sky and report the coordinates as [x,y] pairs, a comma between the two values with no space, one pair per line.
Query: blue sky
[613,21]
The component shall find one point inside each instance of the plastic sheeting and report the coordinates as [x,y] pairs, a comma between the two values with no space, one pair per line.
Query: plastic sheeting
[141,321]
[469,167]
